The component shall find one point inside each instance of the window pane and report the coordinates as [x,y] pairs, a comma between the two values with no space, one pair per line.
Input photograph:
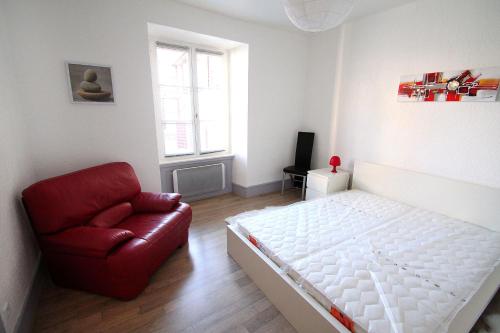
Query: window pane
[211,104]
[210,70]
[178,138]
[175,104]
[173,67]
[177,97]
[176,107]
[213,135]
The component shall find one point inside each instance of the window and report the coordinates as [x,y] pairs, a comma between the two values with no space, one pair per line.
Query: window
[193,100]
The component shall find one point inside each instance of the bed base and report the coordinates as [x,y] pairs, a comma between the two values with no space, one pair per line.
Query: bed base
[465,201]
[296,305]
[305,313]
[473,203]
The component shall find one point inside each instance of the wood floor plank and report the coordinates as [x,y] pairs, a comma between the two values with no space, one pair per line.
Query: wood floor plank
[199,289]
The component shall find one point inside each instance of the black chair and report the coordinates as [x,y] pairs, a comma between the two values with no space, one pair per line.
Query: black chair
[302,165]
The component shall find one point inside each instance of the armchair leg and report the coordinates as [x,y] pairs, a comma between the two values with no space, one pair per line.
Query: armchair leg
[283,184]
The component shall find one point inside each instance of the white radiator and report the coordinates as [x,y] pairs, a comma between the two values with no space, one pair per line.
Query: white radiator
[199,180]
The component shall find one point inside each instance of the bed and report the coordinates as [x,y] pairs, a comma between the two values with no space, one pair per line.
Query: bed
[392,255]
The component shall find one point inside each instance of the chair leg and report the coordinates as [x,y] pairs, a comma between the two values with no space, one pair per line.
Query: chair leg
[304,179]
[283,184]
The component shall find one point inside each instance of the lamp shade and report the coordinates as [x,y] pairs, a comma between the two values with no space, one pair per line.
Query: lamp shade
[335,162]
[317,15]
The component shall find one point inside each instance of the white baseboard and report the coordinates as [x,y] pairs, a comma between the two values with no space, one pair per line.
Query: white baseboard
[260,189]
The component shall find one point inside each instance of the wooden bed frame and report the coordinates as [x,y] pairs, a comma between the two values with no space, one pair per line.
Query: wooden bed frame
[469,202]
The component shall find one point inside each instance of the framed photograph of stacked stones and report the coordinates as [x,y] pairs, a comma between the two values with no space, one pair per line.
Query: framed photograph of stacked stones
[90,84]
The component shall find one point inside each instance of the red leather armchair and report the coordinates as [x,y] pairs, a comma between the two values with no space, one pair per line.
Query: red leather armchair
[98,232]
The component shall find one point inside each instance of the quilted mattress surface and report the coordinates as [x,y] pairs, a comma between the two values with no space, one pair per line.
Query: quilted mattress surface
[383,265]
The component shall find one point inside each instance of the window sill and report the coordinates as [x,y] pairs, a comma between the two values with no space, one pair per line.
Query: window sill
[179,160]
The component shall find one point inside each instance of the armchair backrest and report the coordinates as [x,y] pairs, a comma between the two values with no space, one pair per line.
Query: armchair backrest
[73,199]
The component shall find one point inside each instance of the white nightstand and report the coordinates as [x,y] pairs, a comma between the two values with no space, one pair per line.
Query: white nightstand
[322,182]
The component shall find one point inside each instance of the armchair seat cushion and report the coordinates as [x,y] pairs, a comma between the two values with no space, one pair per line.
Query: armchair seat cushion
[154,226]
[85,241]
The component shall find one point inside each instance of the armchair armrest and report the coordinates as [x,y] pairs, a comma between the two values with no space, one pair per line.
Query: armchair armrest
[148,202]
[86,241]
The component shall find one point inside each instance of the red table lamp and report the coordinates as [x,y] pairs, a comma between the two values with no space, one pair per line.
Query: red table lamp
[335,162]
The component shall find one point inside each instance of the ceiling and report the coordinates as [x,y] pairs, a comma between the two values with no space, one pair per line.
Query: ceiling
[271,12]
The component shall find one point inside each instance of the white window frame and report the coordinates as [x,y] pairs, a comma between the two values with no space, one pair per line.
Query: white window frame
[192,50]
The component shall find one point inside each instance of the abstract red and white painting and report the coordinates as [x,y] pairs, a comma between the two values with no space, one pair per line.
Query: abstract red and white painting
[478,85]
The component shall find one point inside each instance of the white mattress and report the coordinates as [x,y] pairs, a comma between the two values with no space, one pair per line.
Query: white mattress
[289,233]
[387,266]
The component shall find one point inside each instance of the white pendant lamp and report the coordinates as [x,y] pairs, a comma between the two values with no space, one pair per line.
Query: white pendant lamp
[317,15]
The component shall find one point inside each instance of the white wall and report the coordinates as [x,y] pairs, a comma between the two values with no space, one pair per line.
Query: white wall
[350,79]
[238,104]
[277,73]
[65,136]
[18,253]
[457,140]
[321,83]
[62,136]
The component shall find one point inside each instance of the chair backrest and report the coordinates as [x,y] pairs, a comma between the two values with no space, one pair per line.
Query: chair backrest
[73,199]
[304,149]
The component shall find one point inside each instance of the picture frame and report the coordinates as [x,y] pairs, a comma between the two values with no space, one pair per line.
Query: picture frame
[468,85]
[90,83]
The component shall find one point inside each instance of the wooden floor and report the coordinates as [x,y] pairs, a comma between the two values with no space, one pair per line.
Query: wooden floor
[199,289]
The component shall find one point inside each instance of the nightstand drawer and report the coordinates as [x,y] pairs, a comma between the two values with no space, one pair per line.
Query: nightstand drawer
[324,181]
[317,183]
[313,194]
